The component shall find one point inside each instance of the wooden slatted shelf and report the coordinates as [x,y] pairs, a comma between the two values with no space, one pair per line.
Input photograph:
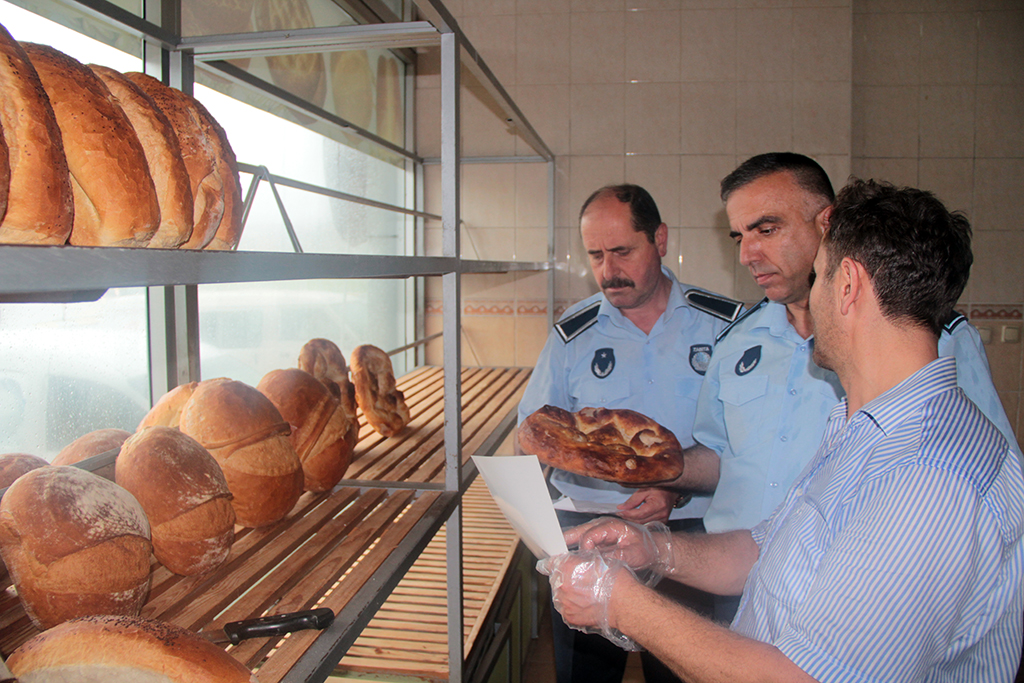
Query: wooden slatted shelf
[345,549]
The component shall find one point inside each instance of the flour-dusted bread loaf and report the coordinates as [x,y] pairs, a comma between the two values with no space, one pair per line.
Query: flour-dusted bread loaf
[40,206]
[92,444]
[211,165]
[75,544]
[167,410]
[160,145]
[185,496]
[374,379]
[113,649]
[321,429]
[247,436]
[115,200]
[13,465]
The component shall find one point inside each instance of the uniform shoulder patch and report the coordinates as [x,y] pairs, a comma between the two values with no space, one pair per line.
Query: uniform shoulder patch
[760,304]
[953,321]
[571,327]
[721,307]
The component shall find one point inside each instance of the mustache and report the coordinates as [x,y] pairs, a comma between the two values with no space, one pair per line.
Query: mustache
[617,283]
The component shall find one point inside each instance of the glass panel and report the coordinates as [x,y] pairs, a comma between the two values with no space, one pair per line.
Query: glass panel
[67,369]
[211,17]
[247,330]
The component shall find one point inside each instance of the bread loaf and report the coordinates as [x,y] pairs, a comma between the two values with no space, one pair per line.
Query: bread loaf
[390,112]
[352,85]
[13,465]
[75,544]
[167,410]
[115,649]
[300,74]
[92,444]
[247,436]
[163,154]
[321,430]
[374,379]
[185,496]
[115,200]
[40,206]
[211,165]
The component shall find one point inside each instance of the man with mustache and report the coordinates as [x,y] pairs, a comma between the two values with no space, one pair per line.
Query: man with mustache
[642,343]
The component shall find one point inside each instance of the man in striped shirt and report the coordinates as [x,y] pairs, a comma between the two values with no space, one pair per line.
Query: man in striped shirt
[897,554]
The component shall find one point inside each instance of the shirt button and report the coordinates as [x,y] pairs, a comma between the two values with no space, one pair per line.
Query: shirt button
[792,392]
[650,381]
[774,485]
[784,438]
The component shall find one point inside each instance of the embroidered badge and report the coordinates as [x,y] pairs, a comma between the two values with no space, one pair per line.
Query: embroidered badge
[751,357]
[603,363]
[700,357]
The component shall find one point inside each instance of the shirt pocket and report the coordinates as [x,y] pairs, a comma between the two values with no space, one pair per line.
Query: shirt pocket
[789,567]
[603,393]
[743,409]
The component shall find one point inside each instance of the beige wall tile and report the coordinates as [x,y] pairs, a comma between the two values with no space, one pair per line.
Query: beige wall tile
[952,181]
[598,123]
[1000,113]
[758,58]
[949,48]
[659,175]
[532,287]
[822,48]
[997,193]
[652,118]
[531,244]
[597,47]
[653,46]
[764,117]
[709,259]
[708,45]
[494,38]
[489,244]
[477,8]
[428,67]
[895,171]
[546,107]
[489,195]
[488,341]
[428,122]
[886,49]
[489,287]
[542,6]
[998,272]
[596,5]
[821,117]
[531,196]
[947,121]
[483,133]
[588,173]
[1004,360]
[708,118]
[1001,46]
[701,177]
[542,52]
[837,166]
[531,333]
[885,121]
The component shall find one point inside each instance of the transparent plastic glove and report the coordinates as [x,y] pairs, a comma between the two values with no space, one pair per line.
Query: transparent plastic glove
[581,591]
[639,546]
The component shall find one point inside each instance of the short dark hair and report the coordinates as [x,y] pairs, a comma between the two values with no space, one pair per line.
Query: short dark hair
[807,172]
[916,252]
[646,217]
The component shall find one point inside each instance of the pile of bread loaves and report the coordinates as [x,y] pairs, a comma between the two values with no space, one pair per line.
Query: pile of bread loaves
[93,157]
[208,455]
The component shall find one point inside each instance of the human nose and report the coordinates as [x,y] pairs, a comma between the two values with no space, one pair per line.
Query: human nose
[749,251]
[609,267]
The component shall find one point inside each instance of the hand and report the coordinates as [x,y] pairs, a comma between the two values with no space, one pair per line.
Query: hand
[638,547]
[649,505]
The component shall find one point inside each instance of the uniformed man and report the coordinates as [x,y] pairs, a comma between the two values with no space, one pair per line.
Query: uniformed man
[642,343]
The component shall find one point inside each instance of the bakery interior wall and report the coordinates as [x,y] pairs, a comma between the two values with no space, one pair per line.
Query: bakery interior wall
[672,94]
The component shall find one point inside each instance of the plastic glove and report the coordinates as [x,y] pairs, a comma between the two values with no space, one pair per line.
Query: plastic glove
[638,546]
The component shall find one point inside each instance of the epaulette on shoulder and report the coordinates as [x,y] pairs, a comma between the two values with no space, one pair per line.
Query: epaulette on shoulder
[759,305]
[721,307]
[571,327]
[953,321]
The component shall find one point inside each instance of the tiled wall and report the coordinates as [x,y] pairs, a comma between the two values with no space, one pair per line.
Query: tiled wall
[672,94]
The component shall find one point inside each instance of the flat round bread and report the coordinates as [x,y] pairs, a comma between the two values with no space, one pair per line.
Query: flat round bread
[620,446]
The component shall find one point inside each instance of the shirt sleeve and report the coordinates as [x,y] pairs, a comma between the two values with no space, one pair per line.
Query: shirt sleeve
[548,384]
[709,421]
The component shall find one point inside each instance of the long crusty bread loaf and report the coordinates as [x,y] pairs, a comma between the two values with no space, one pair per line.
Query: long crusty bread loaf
[247,436]
[185,496]
[211,164]
[115,200]
[123,650]
[160,144]
[75,544]
[320,427]
[40,207]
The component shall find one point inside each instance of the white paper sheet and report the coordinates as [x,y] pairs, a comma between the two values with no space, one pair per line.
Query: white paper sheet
[517,485]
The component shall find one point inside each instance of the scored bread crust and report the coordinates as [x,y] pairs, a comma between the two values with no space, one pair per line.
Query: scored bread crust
[374,379]
[118,649]
[167,410]
[115,199]
[40,204]
[616,445]
[91,444]
[185,496]
[163,153]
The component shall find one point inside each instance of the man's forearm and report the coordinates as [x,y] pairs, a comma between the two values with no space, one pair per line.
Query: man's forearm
[700,470]
[716,563]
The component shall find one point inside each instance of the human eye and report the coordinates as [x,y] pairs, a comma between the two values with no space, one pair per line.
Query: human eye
[735,236]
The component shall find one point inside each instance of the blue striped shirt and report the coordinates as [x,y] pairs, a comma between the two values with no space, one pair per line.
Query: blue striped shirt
[897,553]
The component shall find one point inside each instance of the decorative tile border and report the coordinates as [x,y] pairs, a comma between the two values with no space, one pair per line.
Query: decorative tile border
[994,311]
[495,308]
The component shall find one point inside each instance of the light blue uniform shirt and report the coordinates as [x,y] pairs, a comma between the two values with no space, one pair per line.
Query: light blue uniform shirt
[613,364]
[764,406]
[897,554]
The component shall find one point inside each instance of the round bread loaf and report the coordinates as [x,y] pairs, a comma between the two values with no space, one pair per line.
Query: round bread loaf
[374,379]
[185,496]
[621,446]
[320,427]
[13,465]
[115,199]
[75,544]
[117,649]
[211,165]
[167,410]
[390,112]
[92,444]
[300,74]
[40,205]
[247,436]
[352,86]
[163,154]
